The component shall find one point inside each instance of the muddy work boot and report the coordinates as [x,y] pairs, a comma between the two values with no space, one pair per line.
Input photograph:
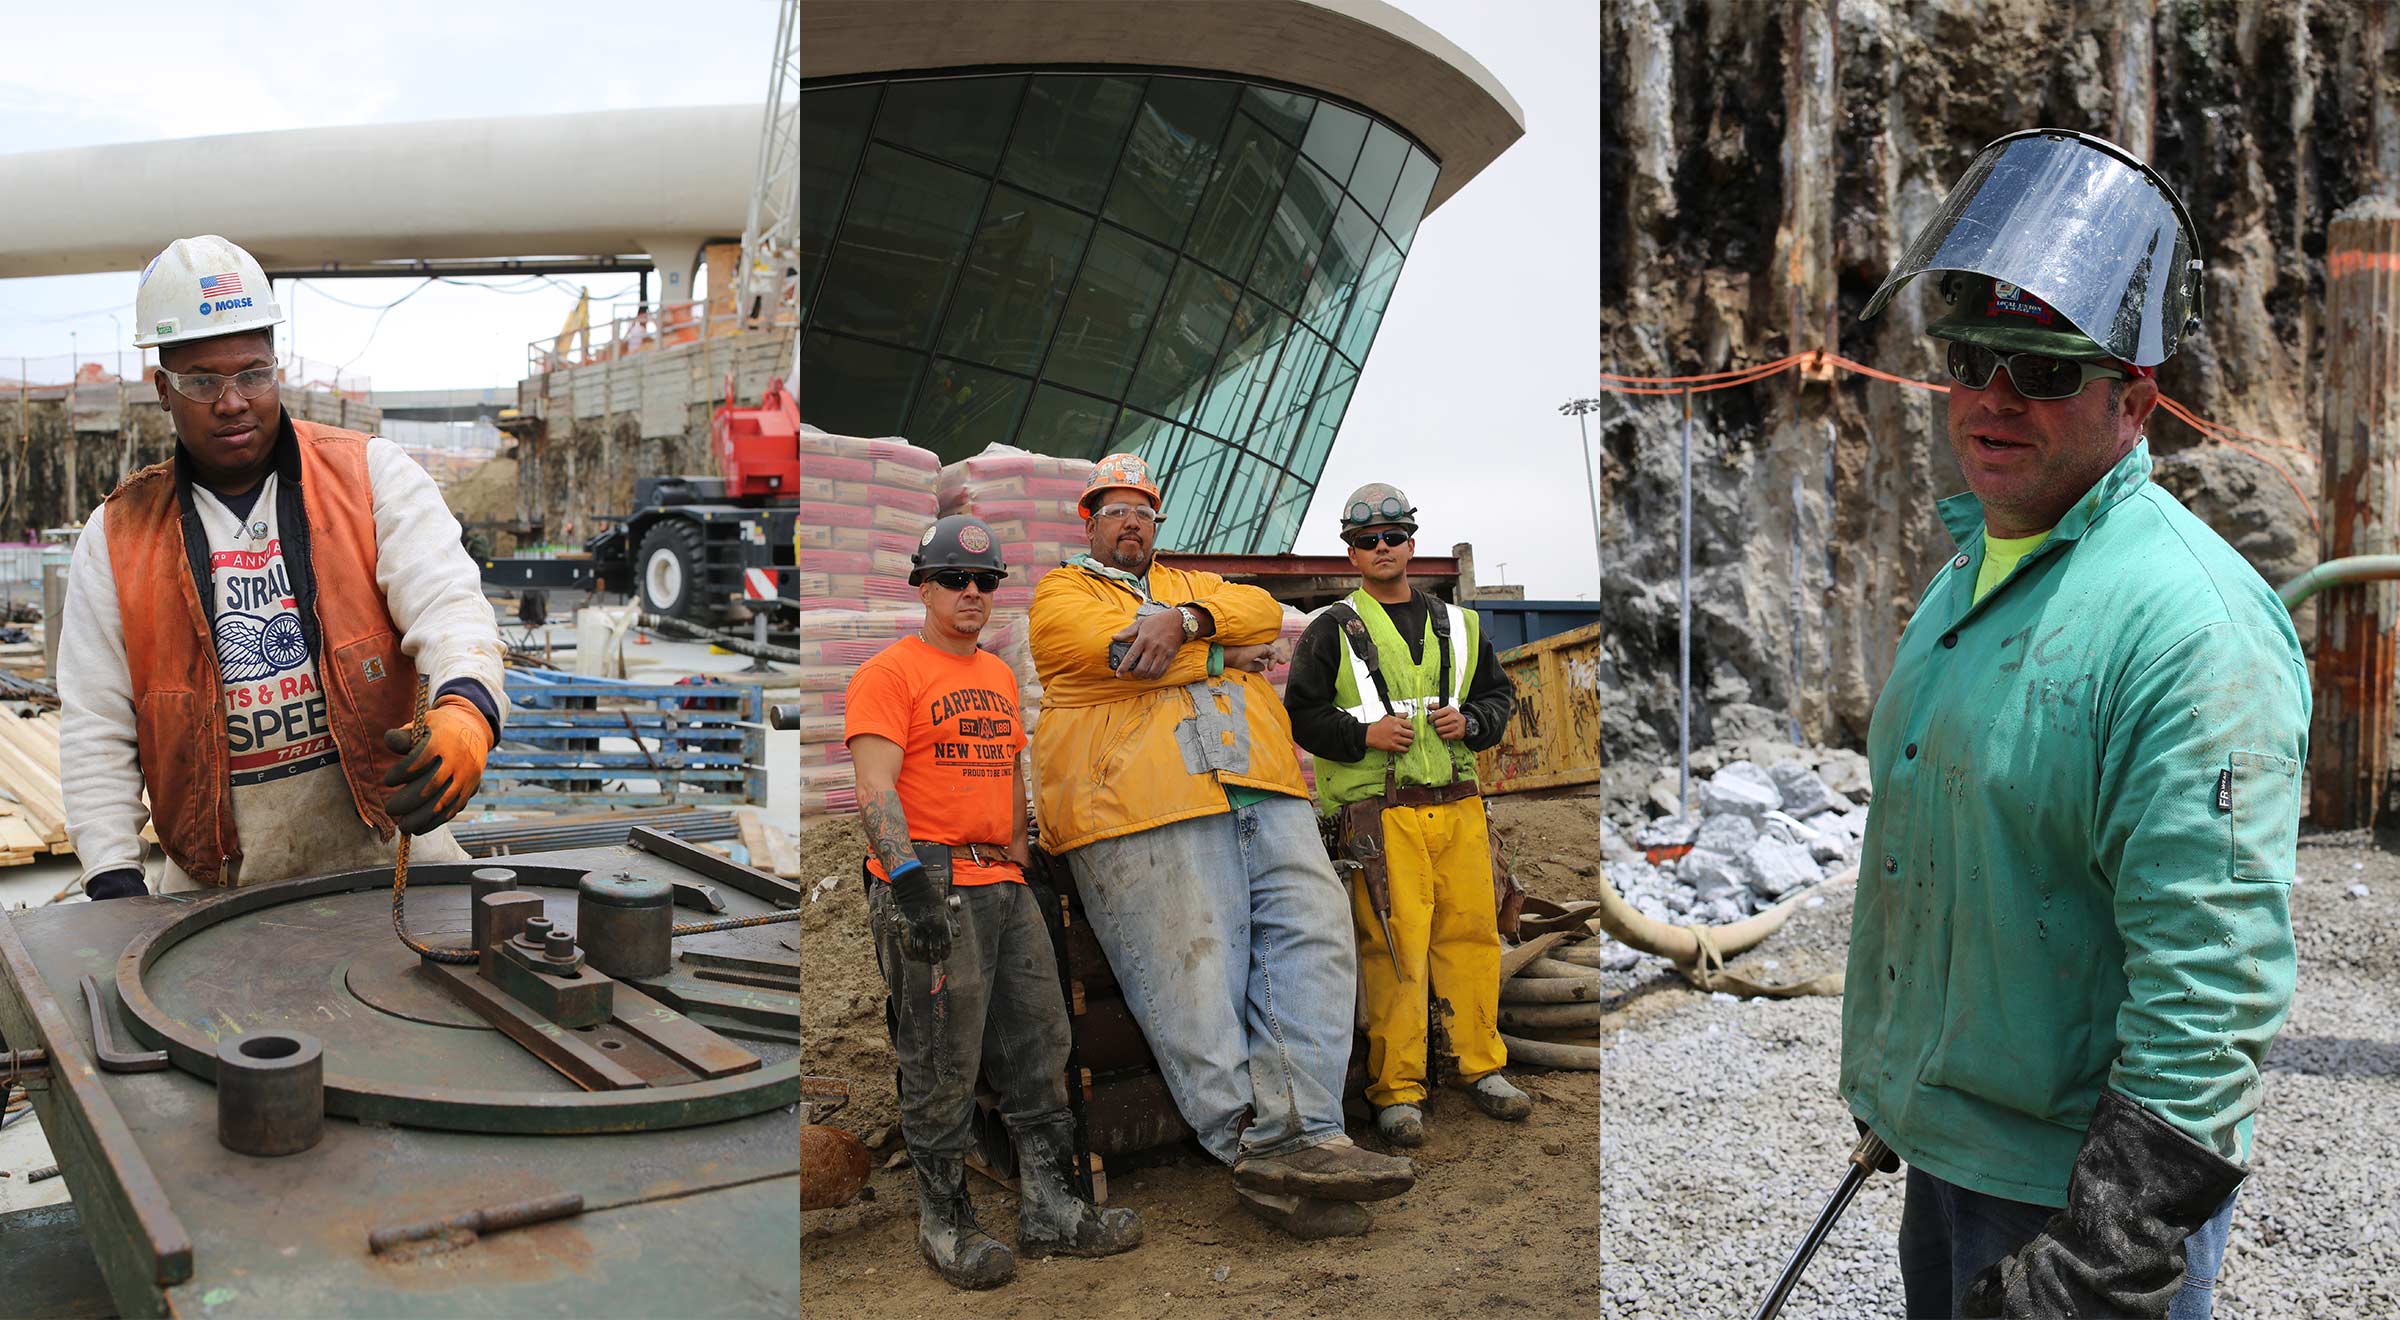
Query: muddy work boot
[1306,1217]
[1401,1125]
[1052,1218]
[1493,1095]
[1336,1170]
[963,1254]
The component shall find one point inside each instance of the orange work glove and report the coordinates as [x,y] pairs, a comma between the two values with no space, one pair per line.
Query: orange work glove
[439,773]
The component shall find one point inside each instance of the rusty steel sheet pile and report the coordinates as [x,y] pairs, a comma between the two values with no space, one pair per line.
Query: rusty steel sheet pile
[265,1104]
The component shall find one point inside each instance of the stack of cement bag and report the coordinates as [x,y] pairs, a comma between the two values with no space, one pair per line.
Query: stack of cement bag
[863,504]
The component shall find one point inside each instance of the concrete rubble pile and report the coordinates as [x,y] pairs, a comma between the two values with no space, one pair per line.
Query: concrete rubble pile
[1753,836]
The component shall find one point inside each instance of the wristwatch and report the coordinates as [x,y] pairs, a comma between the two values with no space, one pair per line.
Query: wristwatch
[1472,727]
[1191,622]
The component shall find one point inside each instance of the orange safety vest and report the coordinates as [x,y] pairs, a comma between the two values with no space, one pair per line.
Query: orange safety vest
[170,652]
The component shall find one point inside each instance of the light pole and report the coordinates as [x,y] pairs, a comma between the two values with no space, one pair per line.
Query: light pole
[1577,408]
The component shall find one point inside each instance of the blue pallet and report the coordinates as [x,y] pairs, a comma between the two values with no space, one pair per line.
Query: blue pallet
[701,756]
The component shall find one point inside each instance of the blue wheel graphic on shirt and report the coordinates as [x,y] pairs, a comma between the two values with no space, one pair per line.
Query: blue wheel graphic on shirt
[282,643]
[250,648]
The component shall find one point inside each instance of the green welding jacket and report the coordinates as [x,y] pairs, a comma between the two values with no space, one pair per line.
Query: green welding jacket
[2078,857]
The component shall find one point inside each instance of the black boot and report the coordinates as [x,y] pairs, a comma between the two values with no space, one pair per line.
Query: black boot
[1052,1218]
[963,1254]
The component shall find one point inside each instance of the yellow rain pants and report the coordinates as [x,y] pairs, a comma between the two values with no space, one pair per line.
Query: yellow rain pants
[1442,920]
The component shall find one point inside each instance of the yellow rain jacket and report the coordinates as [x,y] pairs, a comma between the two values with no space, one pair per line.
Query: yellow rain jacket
[1115,756]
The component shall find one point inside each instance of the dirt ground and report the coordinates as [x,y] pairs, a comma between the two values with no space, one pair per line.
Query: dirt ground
[1503,1216]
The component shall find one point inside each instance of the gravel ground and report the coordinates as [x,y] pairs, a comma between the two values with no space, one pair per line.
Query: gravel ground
[1723,1134]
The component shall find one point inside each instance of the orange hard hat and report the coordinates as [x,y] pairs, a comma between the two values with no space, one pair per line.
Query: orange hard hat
[1117,472]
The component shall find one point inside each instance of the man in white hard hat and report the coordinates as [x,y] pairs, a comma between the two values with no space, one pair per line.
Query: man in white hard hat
[246,623]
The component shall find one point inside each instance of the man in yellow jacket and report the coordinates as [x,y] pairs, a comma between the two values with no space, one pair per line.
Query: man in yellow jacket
[1169,782]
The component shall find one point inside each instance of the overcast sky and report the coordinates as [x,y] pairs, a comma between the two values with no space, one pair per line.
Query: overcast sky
[1493,325]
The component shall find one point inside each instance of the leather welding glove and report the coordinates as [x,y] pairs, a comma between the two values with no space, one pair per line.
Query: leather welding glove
[125,883]
[439,773]
[917,902]
[2139,1188]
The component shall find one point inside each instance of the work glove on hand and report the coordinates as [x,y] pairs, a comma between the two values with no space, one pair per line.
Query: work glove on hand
[917,902]
[439,773]
[2138,1190]
[126,883]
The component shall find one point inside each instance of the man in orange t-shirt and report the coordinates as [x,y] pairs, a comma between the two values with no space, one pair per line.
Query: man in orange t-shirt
[934,731]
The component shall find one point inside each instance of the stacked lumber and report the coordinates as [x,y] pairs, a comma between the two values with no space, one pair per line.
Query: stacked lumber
[33,814]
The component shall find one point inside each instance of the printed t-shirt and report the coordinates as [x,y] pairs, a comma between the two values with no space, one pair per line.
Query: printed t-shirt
[954,718]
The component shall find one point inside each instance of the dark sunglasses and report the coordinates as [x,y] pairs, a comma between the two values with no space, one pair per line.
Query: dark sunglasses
[1369,540]
[2036,375]
[956,579]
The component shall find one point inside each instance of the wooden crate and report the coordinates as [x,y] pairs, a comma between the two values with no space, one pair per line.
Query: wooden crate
[1553,739]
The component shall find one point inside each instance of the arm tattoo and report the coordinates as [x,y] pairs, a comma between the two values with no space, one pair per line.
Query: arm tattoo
[887,827]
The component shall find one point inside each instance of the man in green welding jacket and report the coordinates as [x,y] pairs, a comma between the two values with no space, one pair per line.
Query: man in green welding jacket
[2072,945]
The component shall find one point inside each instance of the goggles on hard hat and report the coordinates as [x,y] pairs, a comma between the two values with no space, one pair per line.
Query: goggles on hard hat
[2081,224]
[1391,508]
[2036,376]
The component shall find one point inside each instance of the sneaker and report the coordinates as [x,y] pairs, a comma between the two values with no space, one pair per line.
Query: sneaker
[1493,1095]
[1306,1217]
[1401,1125]
[1336,1170]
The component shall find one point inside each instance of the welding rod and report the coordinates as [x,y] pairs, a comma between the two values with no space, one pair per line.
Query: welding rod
[489,1219]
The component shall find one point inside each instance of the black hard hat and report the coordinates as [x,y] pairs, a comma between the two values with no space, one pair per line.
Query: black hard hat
[958,541]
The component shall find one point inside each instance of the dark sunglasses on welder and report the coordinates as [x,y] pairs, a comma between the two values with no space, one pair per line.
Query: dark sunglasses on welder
[1369,540]
[2037,376]
[956,579]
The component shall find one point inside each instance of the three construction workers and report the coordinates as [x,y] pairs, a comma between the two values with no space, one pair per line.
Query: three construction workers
[246,625]
[934,731]
[1169,783]
[2072,945]
[1394,692]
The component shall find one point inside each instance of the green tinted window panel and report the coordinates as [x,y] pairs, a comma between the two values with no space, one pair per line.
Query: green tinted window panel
[1183,345]
[961,120]
[1153,438]
[1294,384]
[1334,137]
[1116,297]
[1374,294]
[1339,264]
[905,233]
[1284,515]
[833,130]
[1246,486]
[1192,490]
[1243,369]
[850,388]
[1168,155]
[1302,215]
[1240,199]
[1408,199]
[1284,112]
[1016,277]
[962,409]
[1066,424]
[1379,167]
[1318,428]
[1068,136]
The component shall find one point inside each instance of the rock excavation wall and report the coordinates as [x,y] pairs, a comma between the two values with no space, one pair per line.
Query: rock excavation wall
[1762,169]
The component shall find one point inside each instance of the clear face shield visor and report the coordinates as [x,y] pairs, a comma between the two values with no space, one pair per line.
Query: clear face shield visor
[2080,224]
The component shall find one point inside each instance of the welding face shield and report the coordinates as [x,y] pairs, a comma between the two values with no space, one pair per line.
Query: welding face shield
[2082,225]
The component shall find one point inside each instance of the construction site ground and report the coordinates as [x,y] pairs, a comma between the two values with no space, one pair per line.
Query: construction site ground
[1725,1132]
[1504,1218]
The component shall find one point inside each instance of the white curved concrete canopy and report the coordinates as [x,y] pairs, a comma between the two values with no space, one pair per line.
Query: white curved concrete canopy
[601,183]
[1363,51]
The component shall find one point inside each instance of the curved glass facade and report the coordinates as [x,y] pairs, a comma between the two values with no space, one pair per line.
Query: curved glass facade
[1187,268]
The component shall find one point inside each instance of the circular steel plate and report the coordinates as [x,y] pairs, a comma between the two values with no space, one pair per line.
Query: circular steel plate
[318,955]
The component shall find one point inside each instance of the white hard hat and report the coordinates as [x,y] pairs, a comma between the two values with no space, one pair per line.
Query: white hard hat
[200,288]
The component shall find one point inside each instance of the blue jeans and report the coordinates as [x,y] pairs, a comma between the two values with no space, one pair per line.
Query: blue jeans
[1948,1235]
[1231,937]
